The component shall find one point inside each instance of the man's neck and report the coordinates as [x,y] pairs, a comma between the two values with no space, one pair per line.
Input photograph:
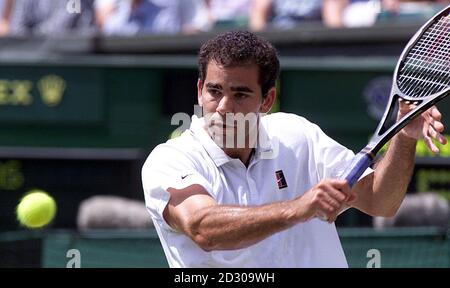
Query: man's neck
[243,154]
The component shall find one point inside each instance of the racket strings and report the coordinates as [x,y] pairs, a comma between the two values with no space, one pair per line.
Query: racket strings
[439,60]
[428,57]
[425,75]
[426,69]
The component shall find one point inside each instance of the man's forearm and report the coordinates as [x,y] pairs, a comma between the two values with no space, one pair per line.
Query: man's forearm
[393,174]
[232,227]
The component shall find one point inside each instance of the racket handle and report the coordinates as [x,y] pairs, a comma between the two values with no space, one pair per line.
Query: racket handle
[359,164]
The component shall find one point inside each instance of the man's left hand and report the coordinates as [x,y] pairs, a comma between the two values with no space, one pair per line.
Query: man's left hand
[427,126]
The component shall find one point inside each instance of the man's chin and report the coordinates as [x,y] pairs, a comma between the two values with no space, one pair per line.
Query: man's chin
[227,137]
[227,131]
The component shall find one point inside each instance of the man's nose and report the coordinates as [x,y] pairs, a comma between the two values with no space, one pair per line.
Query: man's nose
[225,105]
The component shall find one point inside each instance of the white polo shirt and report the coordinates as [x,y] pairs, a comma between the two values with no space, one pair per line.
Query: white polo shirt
[304,154]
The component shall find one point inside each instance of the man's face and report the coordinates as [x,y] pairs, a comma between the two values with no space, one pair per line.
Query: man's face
[231,100]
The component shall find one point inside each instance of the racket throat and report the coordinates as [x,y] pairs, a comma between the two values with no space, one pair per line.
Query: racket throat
[369,151]
[389,116]
[388,121]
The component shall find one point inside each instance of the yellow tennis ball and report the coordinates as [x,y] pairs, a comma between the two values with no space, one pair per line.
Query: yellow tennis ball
[175,133]
[36,209]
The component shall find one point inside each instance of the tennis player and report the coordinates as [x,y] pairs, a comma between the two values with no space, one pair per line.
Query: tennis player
[220,202]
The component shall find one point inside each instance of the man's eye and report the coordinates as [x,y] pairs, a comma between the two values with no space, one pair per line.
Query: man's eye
[214,93]
[240,95]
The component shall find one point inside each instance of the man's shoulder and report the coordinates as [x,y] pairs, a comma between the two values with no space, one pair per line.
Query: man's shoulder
[287,124]
[185,144]
[181,148]
[284,116]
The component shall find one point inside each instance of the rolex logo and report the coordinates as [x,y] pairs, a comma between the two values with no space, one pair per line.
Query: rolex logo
[52,89]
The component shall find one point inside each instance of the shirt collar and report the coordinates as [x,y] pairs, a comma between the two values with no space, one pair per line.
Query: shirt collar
[264,149]
[215,152]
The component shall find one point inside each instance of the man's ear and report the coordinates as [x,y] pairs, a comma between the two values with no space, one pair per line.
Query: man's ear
[199,93]
[268,100]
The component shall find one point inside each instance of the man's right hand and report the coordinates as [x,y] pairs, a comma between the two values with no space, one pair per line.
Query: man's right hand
[326,199]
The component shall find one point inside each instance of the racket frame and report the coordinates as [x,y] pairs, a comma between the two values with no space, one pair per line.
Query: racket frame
[382,135]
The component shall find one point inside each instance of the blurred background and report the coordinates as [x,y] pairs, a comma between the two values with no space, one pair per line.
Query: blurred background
[88,89]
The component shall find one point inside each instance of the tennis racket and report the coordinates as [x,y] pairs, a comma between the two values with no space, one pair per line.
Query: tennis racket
[421,77]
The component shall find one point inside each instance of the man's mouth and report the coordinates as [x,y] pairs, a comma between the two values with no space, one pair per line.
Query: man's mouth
[222,125]
[223,129]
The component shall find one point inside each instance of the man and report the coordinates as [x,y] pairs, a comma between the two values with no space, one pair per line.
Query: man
[131,17]
[287,14]
[256,204]
[5,15]
[51,17]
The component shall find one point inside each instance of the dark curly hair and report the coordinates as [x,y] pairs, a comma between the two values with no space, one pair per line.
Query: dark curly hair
[237,48]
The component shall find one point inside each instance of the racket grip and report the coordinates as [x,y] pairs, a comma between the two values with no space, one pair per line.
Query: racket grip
[357,167]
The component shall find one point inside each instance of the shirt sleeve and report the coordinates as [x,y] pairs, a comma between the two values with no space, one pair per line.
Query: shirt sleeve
[331,157]
[194,14]
[168,167]
[100,4]
[21,21]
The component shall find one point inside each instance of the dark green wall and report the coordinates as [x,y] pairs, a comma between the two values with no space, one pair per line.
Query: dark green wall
[127,103]
[100,107]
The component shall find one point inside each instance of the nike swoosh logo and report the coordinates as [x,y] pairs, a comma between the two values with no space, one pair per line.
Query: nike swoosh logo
[182,177]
